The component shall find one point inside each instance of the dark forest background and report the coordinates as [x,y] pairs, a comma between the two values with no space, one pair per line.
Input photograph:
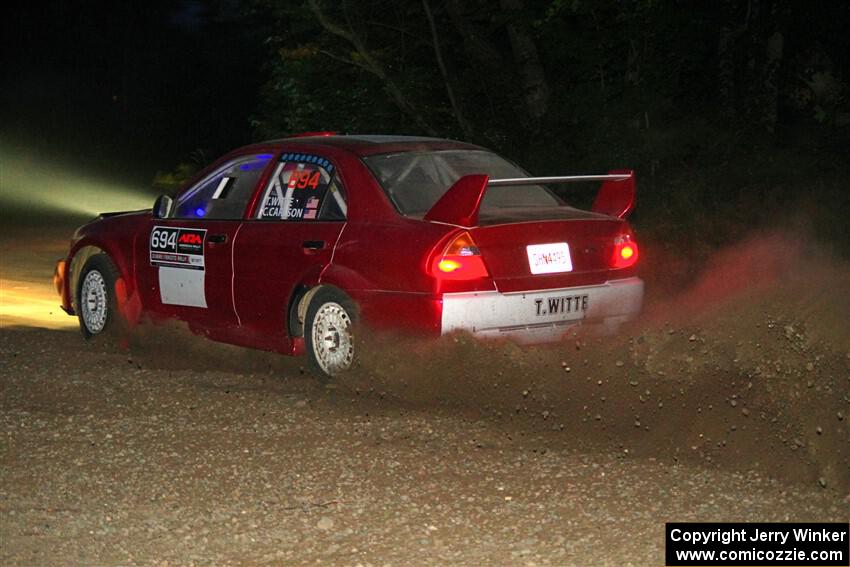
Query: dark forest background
[735,113]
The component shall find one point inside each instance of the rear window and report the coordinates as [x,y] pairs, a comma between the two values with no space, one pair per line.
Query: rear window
[415,181]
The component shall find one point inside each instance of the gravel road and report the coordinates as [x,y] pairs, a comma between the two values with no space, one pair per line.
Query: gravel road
[729,402]
[226,456]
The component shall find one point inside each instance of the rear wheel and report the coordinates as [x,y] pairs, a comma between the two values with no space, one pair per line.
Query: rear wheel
[97,306]
[329,333]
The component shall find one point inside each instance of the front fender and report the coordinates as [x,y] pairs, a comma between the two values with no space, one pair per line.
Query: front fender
[114,236]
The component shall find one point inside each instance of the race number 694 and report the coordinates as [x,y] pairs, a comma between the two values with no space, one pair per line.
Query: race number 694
[164,239]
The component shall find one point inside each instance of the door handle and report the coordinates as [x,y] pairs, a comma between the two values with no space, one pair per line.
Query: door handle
[313,244]
[217,239]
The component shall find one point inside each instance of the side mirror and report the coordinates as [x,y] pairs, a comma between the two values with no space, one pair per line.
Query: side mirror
[162,207]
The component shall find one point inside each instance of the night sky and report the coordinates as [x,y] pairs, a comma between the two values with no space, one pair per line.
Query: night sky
[127,88]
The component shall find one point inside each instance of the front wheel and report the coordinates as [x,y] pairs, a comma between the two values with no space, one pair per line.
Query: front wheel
[329,332]
[97,305]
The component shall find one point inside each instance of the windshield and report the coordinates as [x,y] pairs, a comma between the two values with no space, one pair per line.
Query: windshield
[414,181]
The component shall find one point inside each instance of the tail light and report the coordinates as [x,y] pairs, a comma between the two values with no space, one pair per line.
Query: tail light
[461,260]
[625,252]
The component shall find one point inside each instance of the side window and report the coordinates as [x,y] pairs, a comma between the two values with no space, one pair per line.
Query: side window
[225,193]
[303,188]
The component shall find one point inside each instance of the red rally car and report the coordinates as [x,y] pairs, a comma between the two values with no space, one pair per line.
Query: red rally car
[285,245]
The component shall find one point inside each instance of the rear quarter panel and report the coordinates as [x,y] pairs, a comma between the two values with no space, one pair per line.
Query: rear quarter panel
[383,267]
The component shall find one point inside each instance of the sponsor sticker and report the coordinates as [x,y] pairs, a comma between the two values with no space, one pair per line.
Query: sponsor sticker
[177,247]
[307,158]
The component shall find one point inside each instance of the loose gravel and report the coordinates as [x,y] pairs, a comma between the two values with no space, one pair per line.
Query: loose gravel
[126,458]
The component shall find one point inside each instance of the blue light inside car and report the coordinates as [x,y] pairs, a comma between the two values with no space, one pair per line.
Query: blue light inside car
[199,212]
[255,164]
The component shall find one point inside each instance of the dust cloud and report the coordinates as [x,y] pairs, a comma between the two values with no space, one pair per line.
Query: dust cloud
[748,368]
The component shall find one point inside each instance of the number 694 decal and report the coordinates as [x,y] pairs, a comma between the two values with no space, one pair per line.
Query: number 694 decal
[303,179]
[177,247]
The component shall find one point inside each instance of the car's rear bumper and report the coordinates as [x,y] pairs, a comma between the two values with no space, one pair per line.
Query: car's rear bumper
[542,316]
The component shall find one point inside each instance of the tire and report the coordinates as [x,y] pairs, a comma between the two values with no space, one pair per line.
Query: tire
[97,306]
[329,333]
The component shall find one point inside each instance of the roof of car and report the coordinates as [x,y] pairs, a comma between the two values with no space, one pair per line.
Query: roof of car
[364,145]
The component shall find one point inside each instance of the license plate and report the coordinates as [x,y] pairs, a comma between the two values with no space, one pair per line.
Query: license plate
[549,258]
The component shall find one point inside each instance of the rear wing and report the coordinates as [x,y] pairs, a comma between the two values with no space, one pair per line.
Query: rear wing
[461,203]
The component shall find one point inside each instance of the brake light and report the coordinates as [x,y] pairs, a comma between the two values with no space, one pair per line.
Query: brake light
[625,253]
[461,260]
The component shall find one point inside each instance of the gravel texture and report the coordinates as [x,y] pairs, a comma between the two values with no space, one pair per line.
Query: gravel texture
[222,457]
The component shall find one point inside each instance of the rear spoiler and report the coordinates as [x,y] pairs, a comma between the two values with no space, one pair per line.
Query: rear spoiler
[461,203]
